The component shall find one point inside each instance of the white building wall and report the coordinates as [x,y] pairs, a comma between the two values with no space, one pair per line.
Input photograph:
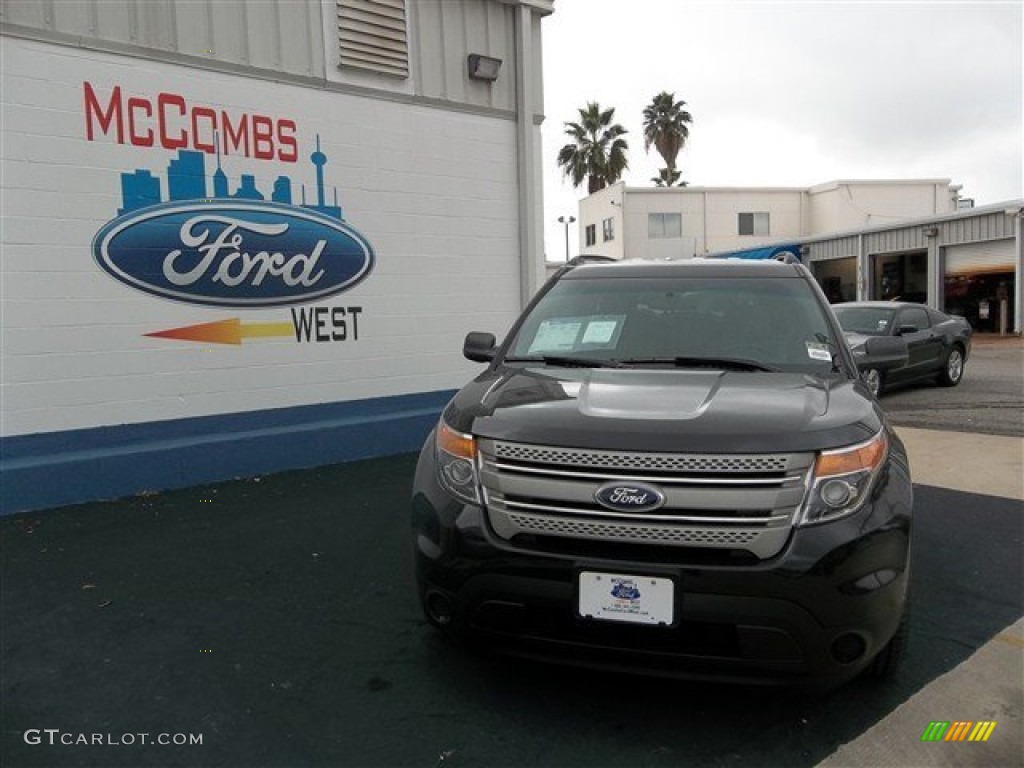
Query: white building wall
[433,191]
[842,205]
[783,206]
[640,203]
[594,209]
[709,219]
[710,215]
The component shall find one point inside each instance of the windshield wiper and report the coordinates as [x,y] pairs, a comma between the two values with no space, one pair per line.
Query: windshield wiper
[567,361]
[729,363]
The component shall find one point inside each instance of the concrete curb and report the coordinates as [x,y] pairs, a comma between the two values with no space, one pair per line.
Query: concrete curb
[989,464]
[986,687]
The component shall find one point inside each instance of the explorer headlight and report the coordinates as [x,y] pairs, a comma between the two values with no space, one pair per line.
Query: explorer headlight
[842,480]
[456,463]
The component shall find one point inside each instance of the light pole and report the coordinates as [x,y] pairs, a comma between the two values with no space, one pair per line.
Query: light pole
[566,222]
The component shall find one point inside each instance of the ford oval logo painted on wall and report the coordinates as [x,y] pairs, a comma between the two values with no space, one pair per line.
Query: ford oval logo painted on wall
[230,253]
[629,497]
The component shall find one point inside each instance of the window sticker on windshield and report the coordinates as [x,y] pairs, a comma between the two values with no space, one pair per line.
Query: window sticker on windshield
[556,335]
[817,351]
[603,330]
[883,324]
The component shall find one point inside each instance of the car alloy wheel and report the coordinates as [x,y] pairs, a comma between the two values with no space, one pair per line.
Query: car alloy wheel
[873,378]
[954,369]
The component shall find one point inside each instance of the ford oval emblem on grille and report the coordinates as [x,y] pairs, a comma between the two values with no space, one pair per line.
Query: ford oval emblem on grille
[629,497]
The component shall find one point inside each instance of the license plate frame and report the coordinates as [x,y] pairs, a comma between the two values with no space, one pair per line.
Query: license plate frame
[625,598]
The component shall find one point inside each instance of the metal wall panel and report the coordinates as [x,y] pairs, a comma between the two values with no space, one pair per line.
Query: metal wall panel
[228,17]
[446,32]
[264,34]
[195,32]
[115,22]
[276,35]
[454,35]
[827,250]
[288,36]
[895,240]
[428,31]
[990,226]
[72,15]
[501,44]
[157,26]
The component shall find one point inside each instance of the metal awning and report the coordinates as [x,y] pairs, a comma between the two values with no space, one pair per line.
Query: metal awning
[767,252]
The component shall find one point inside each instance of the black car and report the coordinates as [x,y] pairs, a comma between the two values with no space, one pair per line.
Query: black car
[672,468]
[938,344]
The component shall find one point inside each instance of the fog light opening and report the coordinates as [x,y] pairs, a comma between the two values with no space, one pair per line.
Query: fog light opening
[847,648]
[837,493]
[439,608]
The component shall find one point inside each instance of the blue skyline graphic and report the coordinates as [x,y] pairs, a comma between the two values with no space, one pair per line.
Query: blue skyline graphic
[186,180]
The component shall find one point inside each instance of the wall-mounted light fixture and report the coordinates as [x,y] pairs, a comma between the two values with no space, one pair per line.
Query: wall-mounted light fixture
[930,231]
[483,67]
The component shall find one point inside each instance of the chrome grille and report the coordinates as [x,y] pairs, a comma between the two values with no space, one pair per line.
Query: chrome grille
[723,501]
[659,462]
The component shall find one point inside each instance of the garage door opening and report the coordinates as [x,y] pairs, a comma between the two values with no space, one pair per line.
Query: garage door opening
[979,283]
[901,276]
[838,278]
[980,298]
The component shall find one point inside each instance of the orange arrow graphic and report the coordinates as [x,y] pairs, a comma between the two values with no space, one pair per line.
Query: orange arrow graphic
[230,331]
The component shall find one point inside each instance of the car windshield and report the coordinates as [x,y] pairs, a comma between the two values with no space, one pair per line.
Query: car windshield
[870,321]
[773,324]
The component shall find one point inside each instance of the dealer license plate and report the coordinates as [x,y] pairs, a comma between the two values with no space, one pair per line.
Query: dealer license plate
[625,597]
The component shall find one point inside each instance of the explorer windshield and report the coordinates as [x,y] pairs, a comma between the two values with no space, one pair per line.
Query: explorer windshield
[773,324]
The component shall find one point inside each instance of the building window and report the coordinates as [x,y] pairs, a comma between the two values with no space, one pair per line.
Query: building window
[664,225]
[591,234]
[372,36]
[754,224]
[608,230]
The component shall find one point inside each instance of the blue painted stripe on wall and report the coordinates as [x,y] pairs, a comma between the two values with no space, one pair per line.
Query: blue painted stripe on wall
[58,468]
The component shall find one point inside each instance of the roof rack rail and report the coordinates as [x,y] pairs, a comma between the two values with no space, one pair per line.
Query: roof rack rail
[589,258]
[786,258]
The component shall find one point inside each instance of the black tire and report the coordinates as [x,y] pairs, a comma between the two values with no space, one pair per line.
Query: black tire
[874,379]
[953,367]
[888,660]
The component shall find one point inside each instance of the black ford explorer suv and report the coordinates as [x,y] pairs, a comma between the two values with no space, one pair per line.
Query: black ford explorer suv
[671,467]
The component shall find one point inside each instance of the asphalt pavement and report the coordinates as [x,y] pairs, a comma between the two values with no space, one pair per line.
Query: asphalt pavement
[272,622]
[989,400]
[275,620]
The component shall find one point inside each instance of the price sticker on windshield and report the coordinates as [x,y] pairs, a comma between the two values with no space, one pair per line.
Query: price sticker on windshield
[556,335]
[817,351]
[603,330]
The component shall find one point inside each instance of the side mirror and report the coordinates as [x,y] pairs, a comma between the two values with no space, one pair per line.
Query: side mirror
[479,347]
[903,330]
[883,353]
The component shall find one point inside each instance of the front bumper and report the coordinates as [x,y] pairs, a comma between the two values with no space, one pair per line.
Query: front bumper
[818,612]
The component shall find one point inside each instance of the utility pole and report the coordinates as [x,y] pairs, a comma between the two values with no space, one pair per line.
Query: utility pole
[566,222]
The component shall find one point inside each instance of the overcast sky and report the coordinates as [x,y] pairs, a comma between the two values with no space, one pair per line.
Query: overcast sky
[796,93]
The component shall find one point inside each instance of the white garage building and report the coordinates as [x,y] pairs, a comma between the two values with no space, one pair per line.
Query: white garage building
[967,262]
[241,237]
[864,239]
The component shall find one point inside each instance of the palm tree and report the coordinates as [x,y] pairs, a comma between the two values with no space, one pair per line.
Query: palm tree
[666,126]
[598,151]
[666,178]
